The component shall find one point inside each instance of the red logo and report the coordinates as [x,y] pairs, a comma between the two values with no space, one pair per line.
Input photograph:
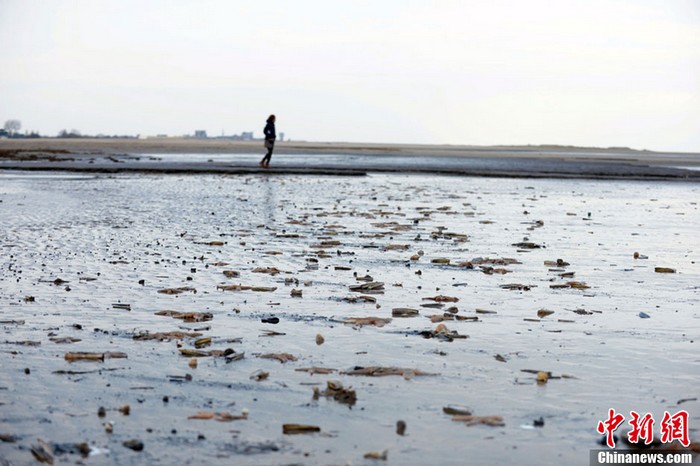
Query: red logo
[641,428]
[673,427]
[608,426]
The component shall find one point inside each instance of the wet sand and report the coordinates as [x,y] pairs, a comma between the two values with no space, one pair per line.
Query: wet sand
[87,256]
[173,155]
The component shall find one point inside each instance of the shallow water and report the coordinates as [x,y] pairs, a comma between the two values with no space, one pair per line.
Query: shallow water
[503,163]
[103,234]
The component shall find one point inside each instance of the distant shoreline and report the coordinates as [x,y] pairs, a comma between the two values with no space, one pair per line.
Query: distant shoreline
[215,145]
[141,155]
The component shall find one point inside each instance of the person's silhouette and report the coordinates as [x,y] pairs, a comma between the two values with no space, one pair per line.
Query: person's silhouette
[270,137]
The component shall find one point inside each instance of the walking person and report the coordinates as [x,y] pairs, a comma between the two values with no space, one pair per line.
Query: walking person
[270,137]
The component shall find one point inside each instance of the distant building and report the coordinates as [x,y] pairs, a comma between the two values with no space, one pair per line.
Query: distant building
[200,134]
[281,136]
[247,136]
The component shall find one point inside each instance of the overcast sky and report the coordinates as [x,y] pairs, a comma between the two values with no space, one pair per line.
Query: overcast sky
[576,72]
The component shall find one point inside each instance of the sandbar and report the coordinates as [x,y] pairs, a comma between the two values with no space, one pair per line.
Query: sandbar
[331,158]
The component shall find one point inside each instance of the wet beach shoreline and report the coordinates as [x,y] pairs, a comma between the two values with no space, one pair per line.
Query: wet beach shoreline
[216,306]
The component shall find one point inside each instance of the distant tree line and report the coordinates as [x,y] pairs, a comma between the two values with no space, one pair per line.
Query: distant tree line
[74,133]
[11,130]
[12,127]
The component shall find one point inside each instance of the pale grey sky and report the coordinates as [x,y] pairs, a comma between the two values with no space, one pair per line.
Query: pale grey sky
[579,72]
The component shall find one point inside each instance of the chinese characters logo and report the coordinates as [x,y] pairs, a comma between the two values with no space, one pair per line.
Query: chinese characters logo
[672,427]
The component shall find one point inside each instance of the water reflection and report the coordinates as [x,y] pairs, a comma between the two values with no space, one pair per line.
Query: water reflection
[269,198]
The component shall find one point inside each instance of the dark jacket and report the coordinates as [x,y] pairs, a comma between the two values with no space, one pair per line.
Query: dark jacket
[270,131]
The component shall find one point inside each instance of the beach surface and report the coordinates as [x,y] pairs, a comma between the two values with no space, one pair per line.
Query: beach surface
[182,155]
[391,318]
